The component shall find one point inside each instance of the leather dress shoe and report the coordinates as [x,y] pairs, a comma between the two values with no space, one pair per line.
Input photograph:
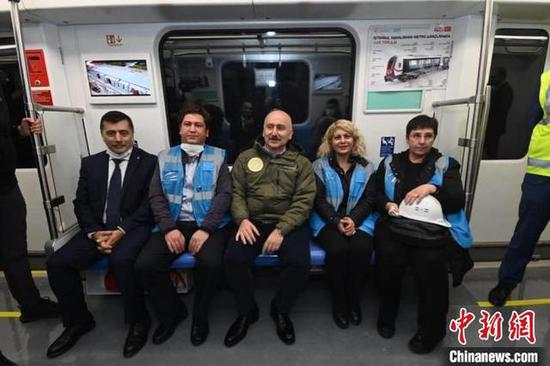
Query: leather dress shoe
[499,294]
[136,338]
[45,308]
[199,332]
[237,330]
[285,329]
[385,330]
[164,331]
[355,315]
[68,339]
[341,319]
[4,361]
[421,344]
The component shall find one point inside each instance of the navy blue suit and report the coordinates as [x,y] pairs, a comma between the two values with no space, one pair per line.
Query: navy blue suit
[64,265]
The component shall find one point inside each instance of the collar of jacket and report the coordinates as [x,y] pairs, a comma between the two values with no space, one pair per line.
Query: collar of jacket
[399,160]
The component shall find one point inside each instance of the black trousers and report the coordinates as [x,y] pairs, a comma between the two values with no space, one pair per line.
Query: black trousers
[295,262]
[64,268]
[13,249]
[347,261]
[429,267]
[153,270]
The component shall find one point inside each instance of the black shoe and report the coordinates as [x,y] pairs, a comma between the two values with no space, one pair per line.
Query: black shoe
[355,315]
[45,308]
[385,330]
[68,339]
[5,362]
[421,344]
[341,319]
[165,331]
[499,294]
[285,329]
[237,330]
[199,332]
[136,338]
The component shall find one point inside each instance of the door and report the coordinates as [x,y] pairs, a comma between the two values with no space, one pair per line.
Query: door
[518,60]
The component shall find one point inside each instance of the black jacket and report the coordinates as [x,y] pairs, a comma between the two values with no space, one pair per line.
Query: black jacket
[91,193]
[450,194]
[8,159]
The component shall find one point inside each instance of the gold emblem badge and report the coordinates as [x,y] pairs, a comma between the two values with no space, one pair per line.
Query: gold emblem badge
[255,165]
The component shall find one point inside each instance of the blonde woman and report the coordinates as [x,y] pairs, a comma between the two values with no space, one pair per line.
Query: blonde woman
[342,220]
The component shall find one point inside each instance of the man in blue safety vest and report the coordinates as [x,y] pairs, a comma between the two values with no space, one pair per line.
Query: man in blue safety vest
[190,195]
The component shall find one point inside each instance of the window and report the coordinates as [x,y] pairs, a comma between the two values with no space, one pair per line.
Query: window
[239,76]
[516,66]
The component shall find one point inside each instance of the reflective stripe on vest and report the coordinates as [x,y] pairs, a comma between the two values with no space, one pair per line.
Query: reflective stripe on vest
[335,193]
[460,228]
[172,177]
[539,147]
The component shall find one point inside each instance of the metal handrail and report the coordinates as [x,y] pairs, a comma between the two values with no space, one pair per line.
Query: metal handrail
[450,102]
[481,111]
[57,108]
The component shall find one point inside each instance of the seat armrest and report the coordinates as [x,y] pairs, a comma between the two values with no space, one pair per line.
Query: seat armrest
[54,245]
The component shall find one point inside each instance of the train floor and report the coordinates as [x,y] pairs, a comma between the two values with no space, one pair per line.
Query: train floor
[319,341]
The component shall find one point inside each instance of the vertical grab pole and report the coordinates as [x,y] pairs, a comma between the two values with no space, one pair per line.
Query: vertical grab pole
[480,111]
[36,143]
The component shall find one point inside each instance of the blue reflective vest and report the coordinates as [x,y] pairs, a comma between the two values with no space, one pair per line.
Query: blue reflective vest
[460,229]
[335,193]
[172,178]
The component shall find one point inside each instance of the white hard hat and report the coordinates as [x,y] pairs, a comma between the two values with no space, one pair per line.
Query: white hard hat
[428,210]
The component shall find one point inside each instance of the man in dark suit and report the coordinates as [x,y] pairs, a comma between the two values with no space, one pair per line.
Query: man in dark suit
[113,212]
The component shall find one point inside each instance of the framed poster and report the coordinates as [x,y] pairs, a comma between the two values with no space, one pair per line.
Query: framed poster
[119,79]
[407,58]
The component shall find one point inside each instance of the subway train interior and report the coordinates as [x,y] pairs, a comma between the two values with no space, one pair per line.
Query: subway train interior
[377,63]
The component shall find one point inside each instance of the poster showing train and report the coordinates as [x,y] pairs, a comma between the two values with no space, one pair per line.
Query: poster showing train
[118,78]
[409,57]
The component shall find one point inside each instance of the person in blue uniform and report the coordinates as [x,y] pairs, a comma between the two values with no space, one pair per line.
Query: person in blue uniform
[341,221]
[410,176]
[534,206]
[190,196]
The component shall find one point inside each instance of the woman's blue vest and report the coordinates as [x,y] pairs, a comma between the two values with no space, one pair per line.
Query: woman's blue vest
[335,193]
[460,229]
[172,178]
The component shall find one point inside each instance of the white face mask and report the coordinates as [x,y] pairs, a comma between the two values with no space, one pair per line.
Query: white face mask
[192,150]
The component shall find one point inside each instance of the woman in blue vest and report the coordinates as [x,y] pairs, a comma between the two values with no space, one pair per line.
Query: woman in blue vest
[410,176]
[342,220]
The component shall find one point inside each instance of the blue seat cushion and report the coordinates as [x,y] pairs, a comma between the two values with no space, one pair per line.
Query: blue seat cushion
[186,260]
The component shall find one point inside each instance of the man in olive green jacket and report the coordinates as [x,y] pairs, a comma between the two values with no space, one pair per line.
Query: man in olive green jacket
[273,194]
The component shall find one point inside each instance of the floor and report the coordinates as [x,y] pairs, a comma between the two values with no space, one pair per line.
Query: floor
[319,341]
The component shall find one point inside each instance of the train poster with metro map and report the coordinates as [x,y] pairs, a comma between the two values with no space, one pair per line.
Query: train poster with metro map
[409,57]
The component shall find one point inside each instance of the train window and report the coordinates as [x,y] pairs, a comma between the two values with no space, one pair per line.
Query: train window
[239,76]
[12,92]
[516,66]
